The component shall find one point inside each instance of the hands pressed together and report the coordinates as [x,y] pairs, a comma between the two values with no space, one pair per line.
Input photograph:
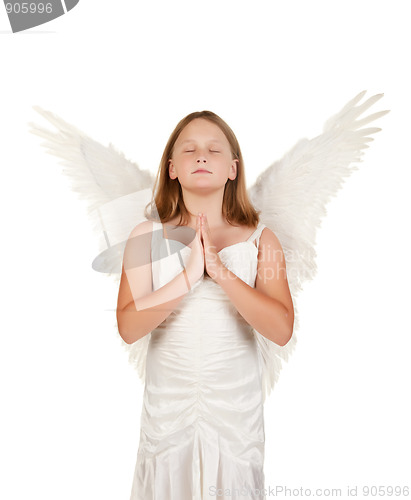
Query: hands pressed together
[204,256]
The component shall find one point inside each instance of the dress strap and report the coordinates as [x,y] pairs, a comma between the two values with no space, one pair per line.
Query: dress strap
[155,235]
[257,233]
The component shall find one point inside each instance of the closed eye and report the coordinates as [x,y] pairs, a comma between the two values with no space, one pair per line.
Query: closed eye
[192,151]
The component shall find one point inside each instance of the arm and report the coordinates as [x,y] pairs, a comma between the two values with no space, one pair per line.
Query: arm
[139,309]
[268,307]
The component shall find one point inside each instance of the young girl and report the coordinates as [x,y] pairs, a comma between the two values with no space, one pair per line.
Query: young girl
[202,426]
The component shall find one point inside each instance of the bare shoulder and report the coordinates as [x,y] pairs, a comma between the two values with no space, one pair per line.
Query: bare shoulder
[138,245]
[142,228]
[268,237]
[136,278]
[270,249]
[271,271]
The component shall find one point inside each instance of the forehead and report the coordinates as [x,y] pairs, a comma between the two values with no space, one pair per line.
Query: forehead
[201,129]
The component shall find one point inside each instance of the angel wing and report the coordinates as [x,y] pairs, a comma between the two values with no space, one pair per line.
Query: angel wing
[292,194]
[116,192]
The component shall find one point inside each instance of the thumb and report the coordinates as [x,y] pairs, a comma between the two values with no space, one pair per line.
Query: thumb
[198,229]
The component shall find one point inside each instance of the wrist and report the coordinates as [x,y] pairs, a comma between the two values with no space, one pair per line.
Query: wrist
[192,274]
[220,273]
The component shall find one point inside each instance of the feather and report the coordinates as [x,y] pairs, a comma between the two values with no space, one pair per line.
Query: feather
[116,192]
[97,173]
[292,195]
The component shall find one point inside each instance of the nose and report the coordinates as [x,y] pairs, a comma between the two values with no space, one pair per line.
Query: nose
[201,159]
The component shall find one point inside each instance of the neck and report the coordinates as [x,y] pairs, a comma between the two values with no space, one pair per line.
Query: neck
[209,204]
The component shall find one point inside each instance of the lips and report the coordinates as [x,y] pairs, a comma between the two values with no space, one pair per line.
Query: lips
[201,170]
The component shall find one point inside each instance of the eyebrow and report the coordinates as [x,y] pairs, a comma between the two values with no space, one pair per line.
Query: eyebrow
[193,140]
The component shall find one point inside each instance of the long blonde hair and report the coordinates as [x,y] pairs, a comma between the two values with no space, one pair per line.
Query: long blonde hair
[168,200]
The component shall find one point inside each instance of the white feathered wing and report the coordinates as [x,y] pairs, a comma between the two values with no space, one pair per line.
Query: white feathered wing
[116,192]
[292,195]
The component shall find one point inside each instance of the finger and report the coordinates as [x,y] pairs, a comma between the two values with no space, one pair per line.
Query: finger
[200,230]
[204,225]
[197,228]
[204,236]
[198,223]
[207,234]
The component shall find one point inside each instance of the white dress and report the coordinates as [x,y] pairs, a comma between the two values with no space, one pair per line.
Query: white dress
[202,421]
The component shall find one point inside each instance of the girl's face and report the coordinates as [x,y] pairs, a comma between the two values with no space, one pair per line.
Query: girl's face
[202,145]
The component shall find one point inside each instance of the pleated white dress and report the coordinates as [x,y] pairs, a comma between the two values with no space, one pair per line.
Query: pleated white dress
[202,421]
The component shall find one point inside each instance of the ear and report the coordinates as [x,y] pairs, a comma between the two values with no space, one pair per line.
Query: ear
[171,170]
[233,170]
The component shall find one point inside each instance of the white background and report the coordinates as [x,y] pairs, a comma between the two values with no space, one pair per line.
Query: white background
[126,72]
